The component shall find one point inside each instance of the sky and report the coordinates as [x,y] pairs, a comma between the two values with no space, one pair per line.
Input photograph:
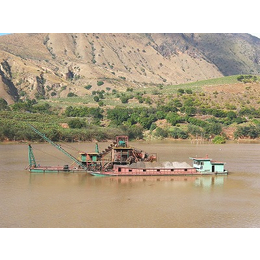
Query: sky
[256,34]
[135,16]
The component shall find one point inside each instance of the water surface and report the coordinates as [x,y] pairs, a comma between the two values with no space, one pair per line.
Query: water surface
[81,200]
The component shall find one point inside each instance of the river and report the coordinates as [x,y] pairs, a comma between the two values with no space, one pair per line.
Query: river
[81,200]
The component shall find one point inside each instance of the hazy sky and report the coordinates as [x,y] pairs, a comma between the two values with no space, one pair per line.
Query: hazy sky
[256,34]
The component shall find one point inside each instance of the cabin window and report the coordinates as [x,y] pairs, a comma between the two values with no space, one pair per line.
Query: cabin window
[172,170]
[119,169]
[130,170]
[158,170]
[185,170]
[144,170]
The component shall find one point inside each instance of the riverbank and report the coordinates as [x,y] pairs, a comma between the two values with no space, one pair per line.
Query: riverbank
[155,140]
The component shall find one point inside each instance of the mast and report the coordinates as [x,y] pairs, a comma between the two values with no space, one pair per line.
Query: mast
[32,161]
[58,147]
[96,148]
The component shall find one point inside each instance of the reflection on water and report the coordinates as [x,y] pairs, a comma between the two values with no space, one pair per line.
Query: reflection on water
[205,181]
[86,179]
[81,200]
[208,182]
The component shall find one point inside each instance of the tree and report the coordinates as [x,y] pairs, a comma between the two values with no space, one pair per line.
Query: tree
[124,99]
[160,132]
[174,118]
[146,121]
[160,114]
[213,129]
[194,130]
[118,115]
[231,115]
[135,131]
[178,133]
[190,111]
[76,123]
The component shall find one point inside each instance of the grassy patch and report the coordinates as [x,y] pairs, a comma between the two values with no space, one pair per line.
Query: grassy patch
[197,86]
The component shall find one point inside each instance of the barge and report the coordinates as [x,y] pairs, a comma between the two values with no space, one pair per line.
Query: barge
[201,166]
[121,159]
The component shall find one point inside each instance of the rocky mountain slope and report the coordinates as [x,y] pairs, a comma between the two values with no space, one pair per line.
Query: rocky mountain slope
[53,65]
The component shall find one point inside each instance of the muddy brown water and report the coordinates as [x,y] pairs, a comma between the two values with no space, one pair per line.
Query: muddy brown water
[81,200]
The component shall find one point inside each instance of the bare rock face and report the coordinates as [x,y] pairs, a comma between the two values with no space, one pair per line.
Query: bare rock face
[54,64]
[7,87]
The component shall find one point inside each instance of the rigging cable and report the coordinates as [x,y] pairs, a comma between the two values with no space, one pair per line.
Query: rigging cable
[50,154]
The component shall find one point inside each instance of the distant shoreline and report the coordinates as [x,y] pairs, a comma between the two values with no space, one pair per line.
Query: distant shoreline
[191,141]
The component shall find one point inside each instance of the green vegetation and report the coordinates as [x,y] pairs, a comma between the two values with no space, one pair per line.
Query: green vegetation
[186,112]
[219,140]
[71,95]
[3,104]
[247,78]
[100,83]
[88,87]
[251,131]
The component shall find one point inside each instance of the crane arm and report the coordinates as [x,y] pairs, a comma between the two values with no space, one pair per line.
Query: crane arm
[58,147]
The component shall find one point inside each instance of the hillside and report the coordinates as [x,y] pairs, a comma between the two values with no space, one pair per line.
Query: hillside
[222,108]
[54,65]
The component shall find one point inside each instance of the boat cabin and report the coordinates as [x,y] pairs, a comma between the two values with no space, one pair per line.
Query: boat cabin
[89,157]
[207,165]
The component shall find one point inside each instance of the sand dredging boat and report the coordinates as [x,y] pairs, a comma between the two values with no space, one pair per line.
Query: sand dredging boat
[121,159]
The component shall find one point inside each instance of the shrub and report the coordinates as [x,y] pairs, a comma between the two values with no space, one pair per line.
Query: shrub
[247,78]
[178,133]
[96,98]
[124,99]
[76,123]
[180,91]
[100,83]
[88,87]
[189,91]
[148,101]
[3,104]
[71,95]
[161,132]
[218,139]
[101,103]
[194,130]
